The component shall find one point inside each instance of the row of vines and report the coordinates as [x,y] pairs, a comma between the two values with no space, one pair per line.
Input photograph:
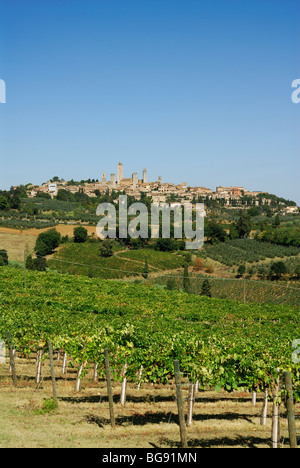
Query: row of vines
[219,343]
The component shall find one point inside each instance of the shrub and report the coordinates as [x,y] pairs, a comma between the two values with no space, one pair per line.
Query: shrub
[210,269]
[39,264]
[49,404]
[29,264]
[165,245]
[106,248]
[199,264]
[205,288]
[80,234]
[4,256]
[171,284]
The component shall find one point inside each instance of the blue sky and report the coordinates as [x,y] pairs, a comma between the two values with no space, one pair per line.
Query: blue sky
[196,91]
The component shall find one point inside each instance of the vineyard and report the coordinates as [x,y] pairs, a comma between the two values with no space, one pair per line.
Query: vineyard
[220,344]
[69,259]
[243,290]
[240,251]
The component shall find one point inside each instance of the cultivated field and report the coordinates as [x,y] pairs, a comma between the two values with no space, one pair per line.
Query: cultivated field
[148,419]
[15,241]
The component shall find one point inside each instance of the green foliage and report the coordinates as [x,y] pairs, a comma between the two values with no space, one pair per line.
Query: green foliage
[4,257]
[239,251]
[186,279]
[80,234]
[206,288]
[4,203]
[106,248]
[49,405]
[277,269]
[171,284]
[241,270]
[47,242]
[165,245]
[146,269]
[218,342]
[38,263]
[214,232]
[156,258]
[284,235]
[243,225]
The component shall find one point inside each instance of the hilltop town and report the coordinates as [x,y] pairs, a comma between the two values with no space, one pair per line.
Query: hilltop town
[158,191]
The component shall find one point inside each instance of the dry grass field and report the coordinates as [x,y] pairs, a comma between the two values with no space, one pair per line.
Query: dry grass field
[148,419]
[15,241]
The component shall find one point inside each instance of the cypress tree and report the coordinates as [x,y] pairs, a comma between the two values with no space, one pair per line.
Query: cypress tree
[186,279]
[146,270]
[206,288]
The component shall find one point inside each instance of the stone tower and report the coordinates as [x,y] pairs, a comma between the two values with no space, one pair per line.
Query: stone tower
[113,180]
[120,172]
[145,180]
[134,180]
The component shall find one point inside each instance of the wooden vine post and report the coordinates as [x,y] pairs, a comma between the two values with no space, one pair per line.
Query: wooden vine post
[191,400]
[39,357]
[264,413]
[276,415]
[52,372]
[179,399]
[290,409]
[124,385]
[12,360]
[109,390]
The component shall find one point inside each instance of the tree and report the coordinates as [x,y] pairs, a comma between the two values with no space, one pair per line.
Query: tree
[214,232]
[297,271]
[241,270]
[80,234]
[47,242]
[165,245]
[277,269]
[41,248]
[15,201]
[40,264]
[4,256]
[243,225]
[106,248]
[186,279]
[205,288]
[171,284]
[146,270]
[188,257]
[4,204]
[233,232]
[277,221]
[64,195]
[29,262]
